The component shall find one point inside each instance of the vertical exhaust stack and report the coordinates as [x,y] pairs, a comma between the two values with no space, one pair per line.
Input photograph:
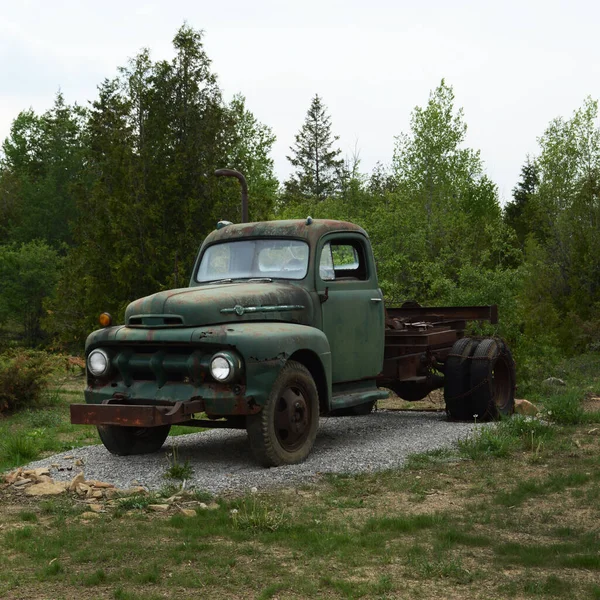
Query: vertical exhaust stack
[242,180]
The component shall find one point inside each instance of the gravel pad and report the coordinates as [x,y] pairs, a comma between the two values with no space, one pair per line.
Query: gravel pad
[221,459]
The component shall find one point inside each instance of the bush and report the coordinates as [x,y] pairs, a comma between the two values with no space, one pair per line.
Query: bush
[23,379]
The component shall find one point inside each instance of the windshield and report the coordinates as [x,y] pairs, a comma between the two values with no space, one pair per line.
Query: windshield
[254,259]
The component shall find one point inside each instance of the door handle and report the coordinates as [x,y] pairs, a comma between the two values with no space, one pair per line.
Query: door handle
[376,300]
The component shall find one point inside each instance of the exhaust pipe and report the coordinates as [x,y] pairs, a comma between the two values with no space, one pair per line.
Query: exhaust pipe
[242,180]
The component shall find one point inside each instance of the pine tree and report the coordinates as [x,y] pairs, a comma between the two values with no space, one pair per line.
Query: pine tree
[319,168]
[519,213]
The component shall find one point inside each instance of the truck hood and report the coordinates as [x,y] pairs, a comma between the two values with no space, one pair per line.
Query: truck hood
[222,303]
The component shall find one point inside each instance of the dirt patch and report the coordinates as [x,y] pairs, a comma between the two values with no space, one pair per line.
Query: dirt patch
[434,402]
[591,404]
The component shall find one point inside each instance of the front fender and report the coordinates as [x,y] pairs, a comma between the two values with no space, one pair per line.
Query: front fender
[265,347]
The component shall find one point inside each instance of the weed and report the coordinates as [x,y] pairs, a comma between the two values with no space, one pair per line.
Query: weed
[486,442]
[176,469]
[256,515]
[565,408]
[28,516]
[96,578]
[136,501]
[53,569]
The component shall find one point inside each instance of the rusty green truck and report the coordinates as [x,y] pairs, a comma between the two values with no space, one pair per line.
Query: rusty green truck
[283,321]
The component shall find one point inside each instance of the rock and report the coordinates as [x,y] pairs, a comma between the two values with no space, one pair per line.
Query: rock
[70,457]
[21,482]
[47,489]
[202,506]
[78,462]
[82,490]
[99,484]
[97,494]
[13,476]
[96,508]
[554,382]
[158,507]
[213,506]
[187,512]
[111,492]
[77,480]
[89,515]
[524,407]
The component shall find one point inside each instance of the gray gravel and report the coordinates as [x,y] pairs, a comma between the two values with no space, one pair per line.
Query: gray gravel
[221,458]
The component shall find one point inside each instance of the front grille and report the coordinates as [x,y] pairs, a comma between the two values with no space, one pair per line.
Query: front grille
[163,365]
[155,320]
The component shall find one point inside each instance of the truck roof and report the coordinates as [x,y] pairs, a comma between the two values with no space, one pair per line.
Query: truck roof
[309,229]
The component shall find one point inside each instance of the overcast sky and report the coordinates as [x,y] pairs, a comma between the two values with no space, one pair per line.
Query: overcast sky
[514,65]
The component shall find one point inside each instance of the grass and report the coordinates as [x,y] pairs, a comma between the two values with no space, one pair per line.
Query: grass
[512,512]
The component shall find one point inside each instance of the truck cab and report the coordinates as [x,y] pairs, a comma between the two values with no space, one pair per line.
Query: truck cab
[282,321]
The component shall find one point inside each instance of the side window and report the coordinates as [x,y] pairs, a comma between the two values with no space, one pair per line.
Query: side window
[343,259]
[326,271]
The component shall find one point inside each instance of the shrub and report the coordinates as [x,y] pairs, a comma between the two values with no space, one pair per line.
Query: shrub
[23,379]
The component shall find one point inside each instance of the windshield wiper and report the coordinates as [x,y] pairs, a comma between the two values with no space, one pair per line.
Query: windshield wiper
[265,279]
[221,281]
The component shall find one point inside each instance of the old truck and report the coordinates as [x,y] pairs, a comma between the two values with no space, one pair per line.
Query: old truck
[282,321]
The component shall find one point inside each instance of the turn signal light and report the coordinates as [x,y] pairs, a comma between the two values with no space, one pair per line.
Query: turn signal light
[105,320]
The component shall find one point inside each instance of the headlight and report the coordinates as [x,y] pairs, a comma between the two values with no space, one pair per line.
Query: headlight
[225,367]
[98,362]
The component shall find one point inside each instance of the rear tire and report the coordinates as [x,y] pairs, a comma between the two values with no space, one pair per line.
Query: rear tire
[124,441]
[284,431]
[457,380]
[492,380]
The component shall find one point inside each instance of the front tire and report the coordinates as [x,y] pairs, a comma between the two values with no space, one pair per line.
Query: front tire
[124,441]
[283,433]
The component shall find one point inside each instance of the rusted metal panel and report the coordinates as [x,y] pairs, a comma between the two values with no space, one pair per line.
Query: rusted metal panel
[134,415]
[439,313]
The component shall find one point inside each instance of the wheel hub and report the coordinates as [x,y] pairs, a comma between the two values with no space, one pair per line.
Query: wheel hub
[292,418]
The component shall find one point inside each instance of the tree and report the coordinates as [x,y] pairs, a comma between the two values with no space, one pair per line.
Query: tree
[436,209]
[520,214]
[28,273]
[249,151]
[40,173]
[319,168]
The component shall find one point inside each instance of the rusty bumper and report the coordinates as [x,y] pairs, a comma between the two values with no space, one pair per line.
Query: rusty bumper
[134,415]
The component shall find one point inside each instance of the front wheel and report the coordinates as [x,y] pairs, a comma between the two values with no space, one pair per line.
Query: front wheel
[123,441]
[284,432]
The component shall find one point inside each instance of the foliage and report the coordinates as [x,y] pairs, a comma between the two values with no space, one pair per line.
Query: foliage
[178,469]
[24,376]
[102,205]
[318,166]
[28,273]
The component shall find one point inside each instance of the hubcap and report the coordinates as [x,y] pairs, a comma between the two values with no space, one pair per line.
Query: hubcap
[292,418]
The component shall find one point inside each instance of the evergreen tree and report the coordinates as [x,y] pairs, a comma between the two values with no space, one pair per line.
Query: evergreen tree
[520,213]
[319,168]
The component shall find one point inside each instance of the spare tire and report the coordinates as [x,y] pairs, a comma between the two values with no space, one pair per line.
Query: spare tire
[492,380]
[457,379]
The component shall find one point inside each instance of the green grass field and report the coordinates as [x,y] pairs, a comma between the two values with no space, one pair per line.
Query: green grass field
[512,512]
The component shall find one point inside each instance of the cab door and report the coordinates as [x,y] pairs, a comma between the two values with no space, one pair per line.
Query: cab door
[352,306]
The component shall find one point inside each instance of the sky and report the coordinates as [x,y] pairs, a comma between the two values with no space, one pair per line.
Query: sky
[514,65]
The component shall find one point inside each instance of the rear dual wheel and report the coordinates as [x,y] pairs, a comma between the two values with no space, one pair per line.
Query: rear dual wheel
[479,380]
